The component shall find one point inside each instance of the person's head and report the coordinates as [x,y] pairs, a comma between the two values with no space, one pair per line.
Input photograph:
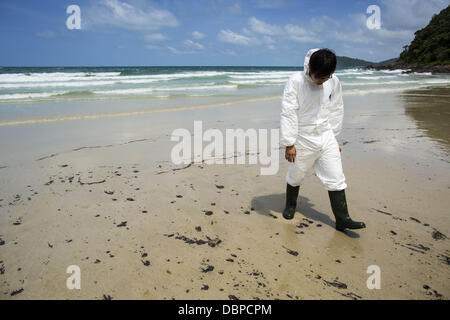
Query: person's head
[322,64]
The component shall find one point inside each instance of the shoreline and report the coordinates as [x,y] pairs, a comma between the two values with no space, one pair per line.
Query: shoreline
[435,70]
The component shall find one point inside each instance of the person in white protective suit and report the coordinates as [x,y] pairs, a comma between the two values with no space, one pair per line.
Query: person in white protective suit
[312,112]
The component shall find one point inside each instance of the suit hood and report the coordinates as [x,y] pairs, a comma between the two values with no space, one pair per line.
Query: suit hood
[306,63]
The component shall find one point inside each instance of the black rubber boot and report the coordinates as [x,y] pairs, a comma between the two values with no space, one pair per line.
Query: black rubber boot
[340,211]
[291,201]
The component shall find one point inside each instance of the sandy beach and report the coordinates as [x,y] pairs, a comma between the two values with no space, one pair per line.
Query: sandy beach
[102,194]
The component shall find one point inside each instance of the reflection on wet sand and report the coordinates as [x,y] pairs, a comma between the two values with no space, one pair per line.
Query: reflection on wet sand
[430,109]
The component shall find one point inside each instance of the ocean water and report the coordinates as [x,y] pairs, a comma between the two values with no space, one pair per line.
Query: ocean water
[44,92]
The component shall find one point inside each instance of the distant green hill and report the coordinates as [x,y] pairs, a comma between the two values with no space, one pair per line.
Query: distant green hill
[431,45]
[385,62]
[346,62]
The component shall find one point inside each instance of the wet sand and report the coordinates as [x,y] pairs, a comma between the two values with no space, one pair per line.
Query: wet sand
[104,196]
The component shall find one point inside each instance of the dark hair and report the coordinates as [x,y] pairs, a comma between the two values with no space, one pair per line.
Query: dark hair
[322,63]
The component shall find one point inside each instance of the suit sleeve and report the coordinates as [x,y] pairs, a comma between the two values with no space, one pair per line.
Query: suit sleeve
[289,121]
[336,108]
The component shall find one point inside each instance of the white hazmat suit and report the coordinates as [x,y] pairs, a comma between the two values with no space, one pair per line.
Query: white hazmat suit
[311,117]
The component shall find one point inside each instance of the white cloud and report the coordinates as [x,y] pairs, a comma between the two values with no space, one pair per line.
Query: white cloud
[124,15]
[399,20]
[193,44]
[289,31]
[153,47]
[229,52]
[402,35]
[269,42]
[301,35]
[176,51]
[346,36]
[260,33]
[235,38]
[247,32]
[197,35]
[305,39]
[235,9]
[261,27]
[351,37]
[155,37]
[295,30]
[409,14]
[357,36]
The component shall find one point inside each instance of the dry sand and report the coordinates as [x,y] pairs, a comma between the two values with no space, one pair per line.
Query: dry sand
[105,197]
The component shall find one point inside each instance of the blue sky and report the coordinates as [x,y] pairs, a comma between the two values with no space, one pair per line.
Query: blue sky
[202,32]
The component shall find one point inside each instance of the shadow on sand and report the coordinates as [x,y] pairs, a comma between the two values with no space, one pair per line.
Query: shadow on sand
[272,206]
